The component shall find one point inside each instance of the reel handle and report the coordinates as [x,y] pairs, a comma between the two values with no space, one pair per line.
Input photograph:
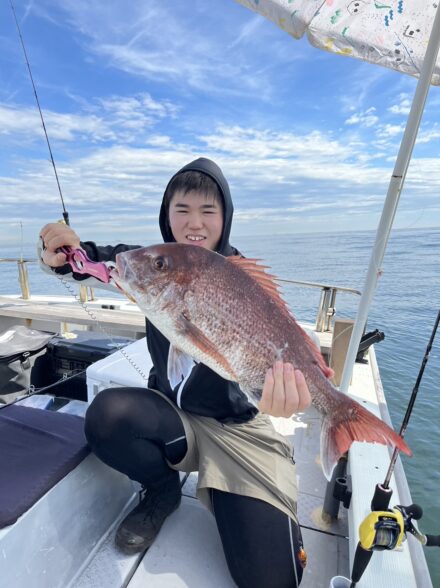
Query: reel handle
[414,511]
[432,540]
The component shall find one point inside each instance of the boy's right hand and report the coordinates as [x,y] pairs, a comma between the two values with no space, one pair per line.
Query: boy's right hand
[56,235]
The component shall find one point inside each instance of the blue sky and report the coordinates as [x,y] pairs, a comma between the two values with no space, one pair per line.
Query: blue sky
[131,91]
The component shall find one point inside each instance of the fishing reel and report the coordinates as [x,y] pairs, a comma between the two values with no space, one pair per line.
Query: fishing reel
[386,530]
[382,530]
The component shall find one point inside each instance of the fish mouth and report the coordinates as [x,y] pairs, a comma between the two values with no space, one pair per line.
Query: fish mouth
[120,284]
[120,276]
[123,270]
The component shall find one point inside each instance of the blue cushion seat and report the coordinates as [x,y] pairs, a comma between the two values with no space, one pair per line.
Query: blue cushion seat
[37,449]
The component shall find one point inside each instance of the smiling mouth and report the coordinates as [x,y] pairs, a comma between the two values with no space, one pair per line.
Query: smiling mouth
[195,238]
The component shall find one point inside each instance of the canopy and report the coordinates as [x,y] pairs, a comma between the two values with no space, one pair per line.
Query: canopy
[393,33]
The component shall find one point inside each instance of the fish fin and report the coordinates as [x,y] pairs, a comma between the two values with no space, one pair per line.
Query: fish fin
[202,342]
[268,283]
[179,366]
[258,273]
[359,424]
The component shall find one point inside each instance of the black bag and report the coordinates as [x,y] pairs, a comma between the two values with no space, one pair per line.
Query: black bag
[19,348]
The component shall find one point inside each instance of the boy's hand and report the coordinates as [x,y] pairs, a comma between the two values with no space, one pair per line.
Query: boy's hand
[285,391]
[56,235]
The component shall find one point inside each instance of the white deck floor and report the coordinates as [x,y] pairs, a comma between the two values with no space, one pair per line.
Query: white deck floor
[187,552]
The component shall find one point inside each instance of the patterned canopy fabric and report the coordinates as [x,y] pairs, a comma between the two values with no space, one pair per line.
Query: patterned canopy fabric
[392,33]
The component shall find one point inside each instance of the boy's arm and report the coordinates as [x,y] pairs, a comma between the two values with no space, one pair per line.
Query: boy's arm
[52,261]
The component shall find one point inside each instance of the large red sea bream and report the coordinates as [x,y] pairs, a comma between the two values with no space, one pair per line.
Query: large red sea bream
[226,312]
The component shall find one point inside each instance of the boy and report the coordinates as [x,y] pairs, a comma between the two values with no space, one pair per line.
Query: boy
[246,472]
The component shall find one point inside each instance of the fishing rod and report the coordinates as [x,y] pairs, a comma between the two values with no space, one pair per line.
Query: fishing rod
[65,213]
[383,492]
[385,529]
[77,258]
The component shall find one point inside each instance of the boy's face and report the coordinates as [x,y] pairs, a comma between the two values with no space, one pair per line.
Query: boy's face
[196,218]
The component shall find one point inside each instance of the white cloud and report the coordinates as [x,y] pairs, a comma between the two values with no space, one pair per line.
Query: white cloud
[426,136]
[268,171]
[120,143]
[361,86]
[403,107]
[366,118]
[114,194]
[270,144]
[15,120]
[388,130]
[248,30]
[141,107]
[153,42]
[115,118]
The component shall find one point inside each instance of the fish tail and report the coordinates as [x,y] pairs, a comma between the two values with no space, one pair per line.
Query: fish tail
[356,424]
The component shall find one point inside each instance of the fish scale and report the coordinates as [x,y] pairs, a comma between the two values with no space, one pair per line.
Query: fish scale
[251,348]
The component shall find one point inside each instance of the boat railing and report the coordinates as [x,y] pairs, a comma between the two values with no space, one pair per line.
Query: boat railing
[326,307]
[85,293]
[327,303]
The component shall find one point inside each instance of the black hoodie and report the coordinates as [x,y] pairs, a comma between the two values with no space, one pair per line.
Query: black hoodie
[204,392]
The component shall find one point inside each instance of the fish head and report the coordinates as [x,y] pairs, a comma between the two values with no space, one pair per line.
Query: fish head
[159,276]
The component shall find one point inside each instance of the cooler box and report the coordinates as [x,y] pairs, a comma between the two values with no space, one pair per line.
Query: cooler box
[66,355]
[116,370]
[20,350]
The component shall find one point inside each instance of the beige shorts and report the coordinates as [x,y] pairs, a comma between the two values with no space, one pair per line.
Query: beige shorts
[250,459]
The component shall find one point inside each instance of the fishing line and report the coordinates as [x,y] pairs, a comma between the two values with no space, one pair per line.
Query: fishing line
[31,391]
[324,532]
[65,213]
[411,402]
[93,316]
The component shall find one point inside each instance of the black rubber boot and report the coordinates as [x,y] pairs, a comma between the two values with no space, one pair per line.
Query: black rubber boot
[140,527]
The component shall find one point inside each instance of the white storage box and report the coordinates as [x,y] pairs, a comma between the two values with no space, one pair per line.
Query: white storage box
[116,370]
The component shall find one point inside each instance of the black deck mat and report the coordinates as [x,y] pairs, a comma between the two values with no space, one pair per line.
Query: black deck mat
[37,449]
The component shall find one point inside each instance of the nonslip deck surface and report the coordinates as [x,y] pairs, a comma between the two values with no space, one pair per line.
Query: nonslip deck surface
[188,552]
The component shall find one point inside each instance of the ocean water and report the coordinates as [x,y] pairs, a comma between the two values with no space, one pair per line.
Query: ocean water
[405,307]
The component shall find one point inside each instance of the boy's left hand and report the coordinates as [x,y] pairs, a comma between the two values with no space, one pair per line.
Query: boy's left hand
[285,391]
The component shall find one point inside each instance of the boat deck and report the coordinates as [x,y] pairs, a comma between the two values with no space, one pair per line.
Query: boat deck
[48,312]
[187,552]
[171,563]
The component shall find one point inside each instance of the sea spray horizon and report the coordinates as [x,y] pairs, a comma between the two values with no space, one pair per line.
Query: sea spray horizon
[405,307]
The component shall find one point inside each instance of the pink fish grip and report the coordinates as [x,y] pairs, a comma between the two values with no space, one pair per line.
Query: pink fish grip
[81,264]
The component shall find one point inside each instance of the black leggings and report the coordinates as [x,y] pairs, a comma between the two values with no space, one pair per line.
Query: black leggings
[136,432]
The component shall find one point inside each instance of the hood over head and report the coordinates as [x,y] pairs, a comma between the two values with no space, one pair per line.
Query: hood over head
[211,169]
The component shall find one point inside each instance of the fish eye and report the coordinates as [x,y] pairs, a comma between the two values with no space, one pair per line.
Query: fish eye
[159,263]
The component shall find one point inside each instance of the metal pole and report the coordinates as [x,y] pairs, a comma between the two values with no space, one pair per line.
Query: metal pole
[392,199]
[23,279]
